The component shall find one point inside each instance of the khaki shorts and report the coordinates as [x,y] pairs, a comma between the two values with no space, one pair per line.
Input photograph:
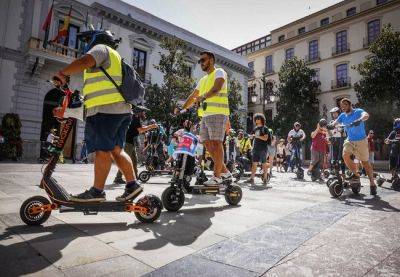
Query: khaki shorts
[357,148]
[213,127]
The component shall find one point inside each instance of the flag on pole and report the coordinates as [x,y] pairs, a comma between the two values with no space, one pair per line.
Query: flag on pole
[63,32]
[46,25]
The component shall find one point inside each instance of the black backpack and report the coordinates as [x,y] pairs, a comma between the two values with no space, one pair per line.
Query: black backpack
[131,88]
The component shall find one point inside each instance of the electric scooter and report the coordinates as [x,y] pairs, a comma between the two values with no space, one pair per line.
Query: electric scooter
[173,197]
[296,158]
[37,209]
[395,180]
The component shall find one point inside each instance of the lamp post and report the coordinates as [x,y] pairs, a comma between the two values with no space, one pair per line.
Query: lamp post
[267,95]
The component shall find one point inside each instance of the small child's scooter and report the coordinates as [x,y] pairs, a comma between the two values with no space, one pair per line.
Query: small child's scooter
[37,209]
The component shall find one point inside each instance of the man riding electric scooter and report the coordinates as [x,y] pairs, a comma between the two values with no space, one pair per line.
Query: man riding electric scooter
[108,116]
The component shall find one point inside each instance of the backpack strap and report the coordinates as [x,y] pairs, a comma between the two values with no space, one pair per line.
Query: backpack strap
[111,79]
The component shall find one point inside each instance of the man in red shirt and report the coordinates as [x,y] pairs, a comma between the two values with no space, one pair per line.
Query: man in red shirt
[319,145]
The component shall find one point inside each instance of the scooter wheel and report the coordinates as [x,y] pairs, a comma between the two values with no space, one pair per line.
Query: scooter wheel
[356,188]
[233,195]
[173,199]
[396,184]
[326,173]
[380,180]
[336,189]
[34,219]
[300,174]
[268,178]
[154,204]
[144,176]
[329,181]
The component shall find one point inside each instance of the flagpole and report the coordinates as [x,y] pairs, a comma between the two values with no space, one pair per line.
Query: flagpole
[47,25]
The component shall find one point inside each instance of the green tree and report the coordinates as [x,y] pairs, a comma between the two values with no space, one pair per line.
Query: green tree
[297,100]
[378,91]
[177,84]
[235,101]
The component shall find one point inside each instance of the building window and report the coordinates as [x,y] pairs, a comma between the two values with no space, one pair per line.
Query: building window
[350,12]
[341,75]
[325,21]
[341,42]
[313,50]
[71,40]
[302,30]
[379,2]
[289,53]
[139,62]
[281,38]
[316,76]
[189,71]
[268,64]
[374,29]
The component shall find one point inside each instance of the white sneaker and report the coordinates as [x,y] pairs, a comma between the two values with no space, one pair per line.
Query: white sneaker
[226,175]
[214,181]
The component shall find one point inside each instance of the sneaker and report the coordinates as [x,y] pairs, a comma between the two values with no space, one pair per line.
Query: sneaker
[226,176]
[250,181]
[90,195]
[214,181]
[372,190]
[130,193]
[119,181]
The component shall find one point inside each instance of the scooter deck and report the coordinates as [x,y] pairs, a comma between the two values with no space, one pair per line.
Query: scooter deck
[199,189]
[105,206]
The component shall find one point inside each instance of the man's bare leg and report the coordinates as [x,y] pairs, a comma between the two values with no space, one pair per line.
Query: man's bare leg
[102,166]
[368,169]
[124,163]
[350,164]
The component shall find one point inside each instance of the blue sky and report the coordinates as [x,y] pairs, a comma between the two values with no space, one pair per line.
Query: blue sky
[231,23]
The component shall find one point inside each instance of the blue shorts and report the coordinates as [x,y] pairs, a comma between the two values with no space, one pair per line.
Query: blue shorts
[105,131]
[259,156]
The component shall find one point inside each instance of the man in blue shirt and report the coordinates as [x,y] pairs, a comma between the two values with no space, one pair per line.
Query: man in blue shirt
[356,143]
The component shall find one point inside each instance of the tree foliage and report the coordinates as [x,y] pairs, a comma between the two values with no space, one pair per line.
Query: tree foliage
[297,100]
[378,91]
[177,84]
[235,101]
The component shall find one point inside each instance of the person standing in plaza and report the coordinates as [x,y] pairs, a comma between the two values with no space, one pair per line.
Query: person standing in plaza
[260,148]
[211,94]
[319,146]
[356,143]
[371,148]
[132,139]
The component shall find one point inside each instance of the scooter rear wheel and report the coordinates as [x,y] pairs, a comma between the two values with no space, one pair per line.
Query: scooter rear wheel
[154,204]
[173,199]
[356,188]
[144,176]
[336,189]
[233,195]
[34,219]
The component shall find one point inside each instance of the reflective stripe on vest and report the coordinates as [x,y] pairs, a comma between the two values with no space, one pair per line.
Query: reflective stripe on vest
[98,90]
[218,104]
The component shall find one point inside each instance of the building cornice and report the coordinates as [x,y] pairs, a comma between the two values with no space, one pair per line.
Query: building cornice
[390,5]
[157,34]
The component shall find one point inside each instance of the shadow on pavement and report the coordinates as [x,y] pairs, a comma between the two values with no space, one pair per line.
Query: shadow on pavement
[374,203]
[22,258]
[179,228]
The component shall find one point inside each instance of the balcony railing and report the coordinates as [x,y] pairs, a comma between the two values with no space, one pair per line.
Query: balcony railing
[269,71]
[340,49]
[54,49]
[312,58]
[341,83]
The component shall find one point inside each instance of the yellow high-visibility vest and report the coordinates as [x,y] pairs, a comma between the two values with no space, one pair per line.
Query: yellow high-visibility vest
[97,89]
[218,104]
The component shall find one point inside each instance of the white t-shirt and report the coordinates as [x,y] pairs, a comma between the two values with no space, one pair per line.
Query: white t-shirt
[219,73]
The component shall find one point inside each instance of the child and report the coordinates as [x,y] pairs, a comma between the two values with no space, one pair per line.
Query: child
[288,161]
[260,147]
[280,155]
[318,146]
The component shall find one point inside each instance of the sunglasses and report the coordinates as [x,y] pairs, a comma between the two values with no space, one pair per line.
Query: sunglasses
[202,60]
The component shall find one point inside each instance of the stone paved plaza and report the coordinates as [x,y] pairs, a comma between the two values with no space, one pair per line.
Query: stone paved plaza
[292,228]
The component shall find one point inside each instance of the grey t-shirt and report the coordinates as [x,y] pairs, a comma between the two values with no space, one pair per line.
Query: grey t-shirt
[102,58]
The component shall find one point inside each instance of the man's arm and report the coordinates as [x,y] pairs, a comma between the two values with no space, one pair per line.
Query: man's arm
[144,129]
[191,99]
[219,82]
[364,116]
[79,65]
[303,137]
[314,133]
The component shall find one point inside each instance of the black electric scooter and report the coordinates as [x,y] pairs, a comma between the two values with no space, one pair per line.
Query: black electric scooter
[395,180]
[37,209]
[296,158]
[173,197]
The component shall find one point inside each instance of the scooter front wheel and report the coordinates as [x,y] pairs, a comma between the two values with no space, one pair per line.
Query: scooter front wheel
[144,176]
[173,199]
[154,206]
[30,218]
[336,189]
[233,195]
